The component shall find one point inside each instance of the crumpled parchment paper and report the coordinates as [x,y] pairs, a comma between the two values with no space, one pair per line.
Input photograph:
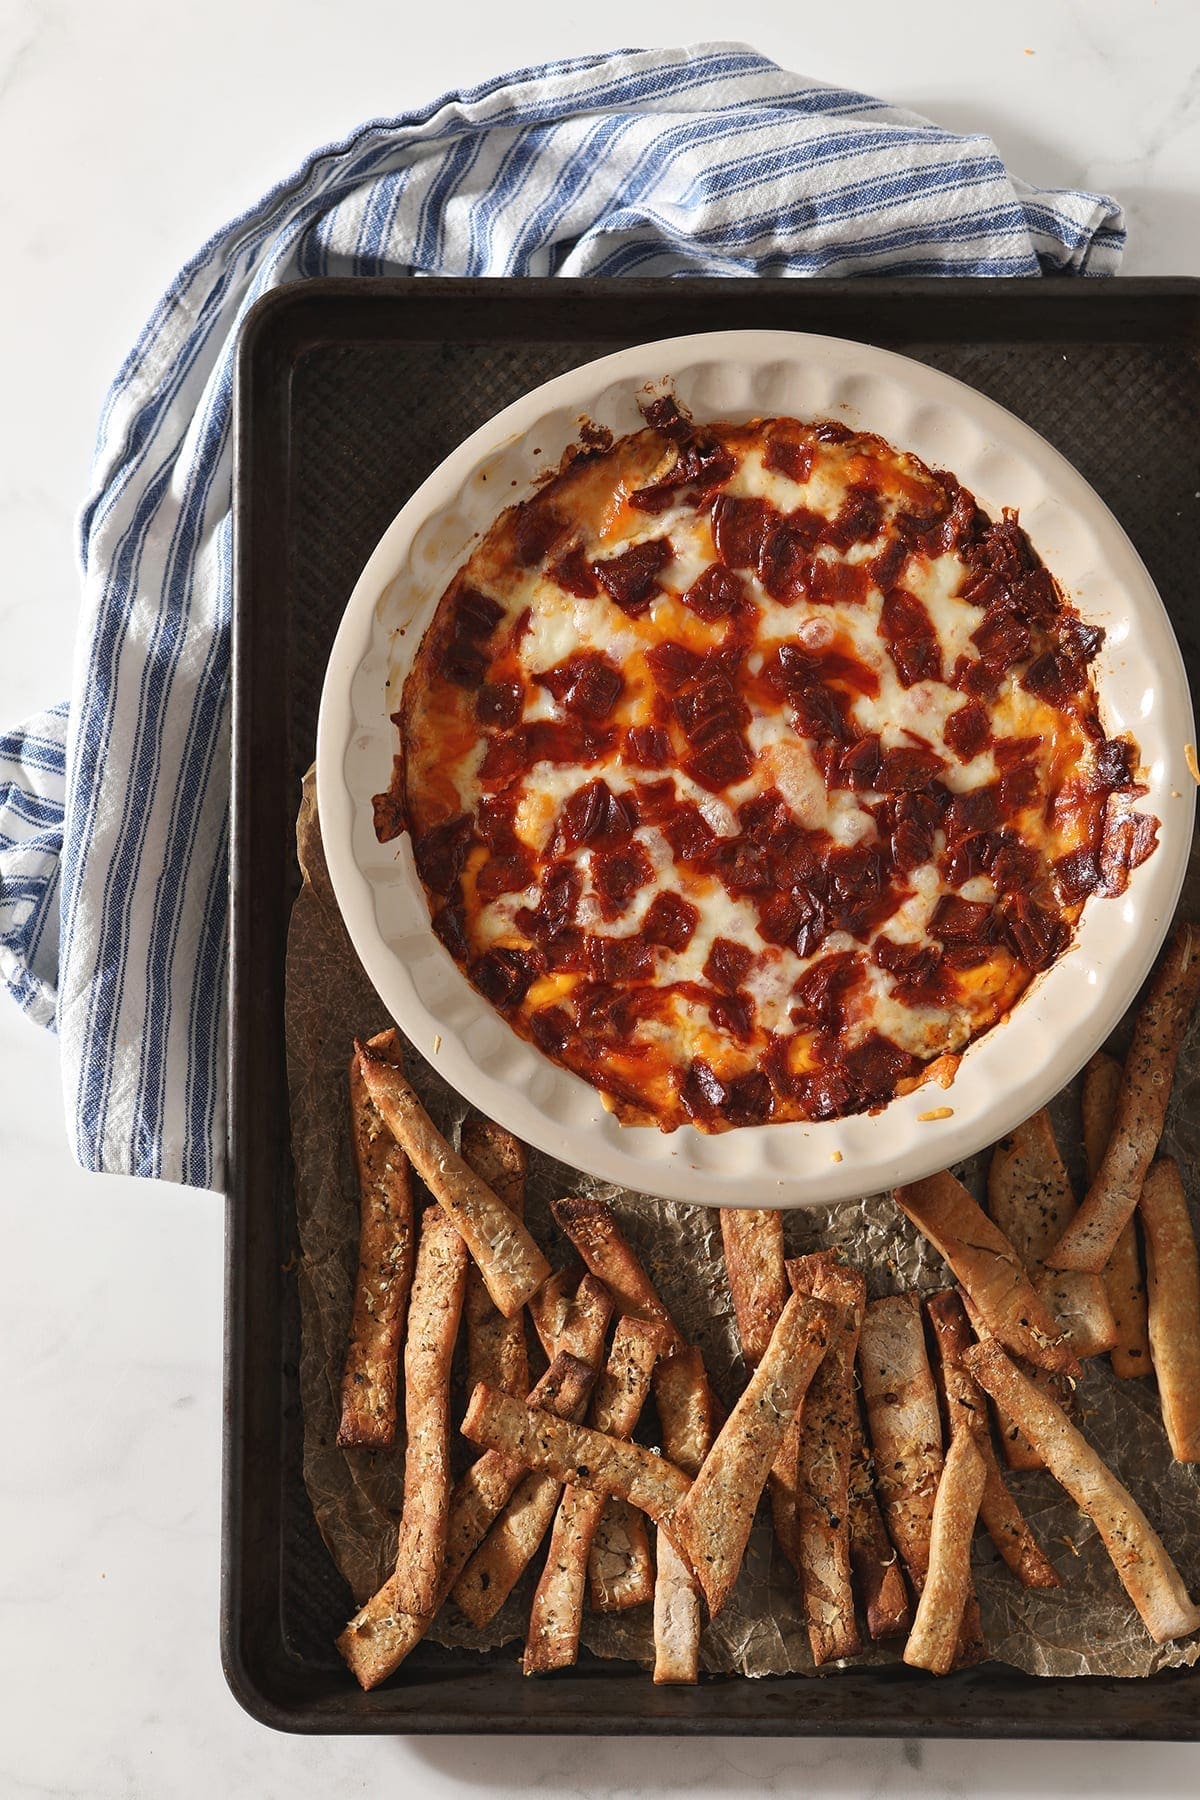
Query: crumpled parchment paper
[1087,1627]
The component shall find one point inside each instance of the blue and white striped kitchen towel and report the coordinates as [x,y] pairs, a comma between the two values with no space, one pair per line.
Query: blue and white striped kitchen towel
[114,813]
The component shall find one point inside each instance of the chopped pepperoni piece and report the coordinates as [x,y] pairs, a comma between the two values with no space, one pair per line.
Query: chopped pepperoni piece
[886,569]
[495,823]
[1018,788]
[663,414]
[790,458]
[498,703]
[858,765]
[821,993]
[742,866]
[740,528]
[1013,864]
[998,556]
[1035,597]
[450,925]
[563,741]
[978,810]
[911,846]
[649,746]
[504,976]
[958,921]
[916,965]
[476,615]
[1077,874]
[768,820]
[463,662]
[715,594]
[504,875]
[858,520]
[822,713]
[825,1094]
[750,1099]
[632,577]
[967,731]
[1114,763]
[619,958]
[593,814]
[673,664]
[727,964]
[655,801]
[538,529]
[875,1065]
[585,683]
[1034,936]
[561,888]
[1129,838]
[1002,640]
[702,465]
[797,920]
[575,574]
[565,951]
[441,852]
[911,637]
[708,707]
[785,561]
[701,1092]
[837,583]
[1054,676]
[550,1028]
[670,921]
[721,763]
[832,431]
[618,875]
[903,769]
[688,832]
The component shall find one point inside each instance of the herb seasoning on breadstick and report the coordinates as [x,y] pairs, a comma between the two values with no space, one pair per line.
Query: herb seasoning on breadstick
[511,1263]
[386,1254]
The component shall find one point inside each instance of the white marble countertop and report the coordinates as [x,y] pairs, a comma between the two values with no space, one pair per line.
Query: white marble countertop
[128,131]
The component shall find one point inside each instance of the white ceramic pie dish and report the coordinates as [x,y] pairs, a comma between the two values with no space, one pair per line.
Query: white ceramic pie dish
[1009,1072]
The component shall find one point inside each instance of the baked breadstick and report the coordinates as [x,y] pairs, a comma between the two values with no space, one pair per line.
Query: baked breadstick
[754,1263]
[1141,1109]
[513,1540]
[872,1554]
[381,1635]
[753,1243]
[712,1524]
[1149,1576]
[620,1566]
[906,1430]
[826,1431]
[386,1254]
[935,1634]
[1173,1286]
[1030,1198]
[686,1414]
[511,1263]
[681,1390]
[593,1228]
[496,1350]
[1123,1279]
[1019,1453]
[575,1453]
[433,1315]
[967,1410]
[552,1641]
[988,1267]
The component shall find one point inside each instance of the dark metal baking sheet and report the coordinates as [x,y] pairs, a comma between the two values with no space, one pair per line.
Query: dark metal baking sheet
[349,393]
